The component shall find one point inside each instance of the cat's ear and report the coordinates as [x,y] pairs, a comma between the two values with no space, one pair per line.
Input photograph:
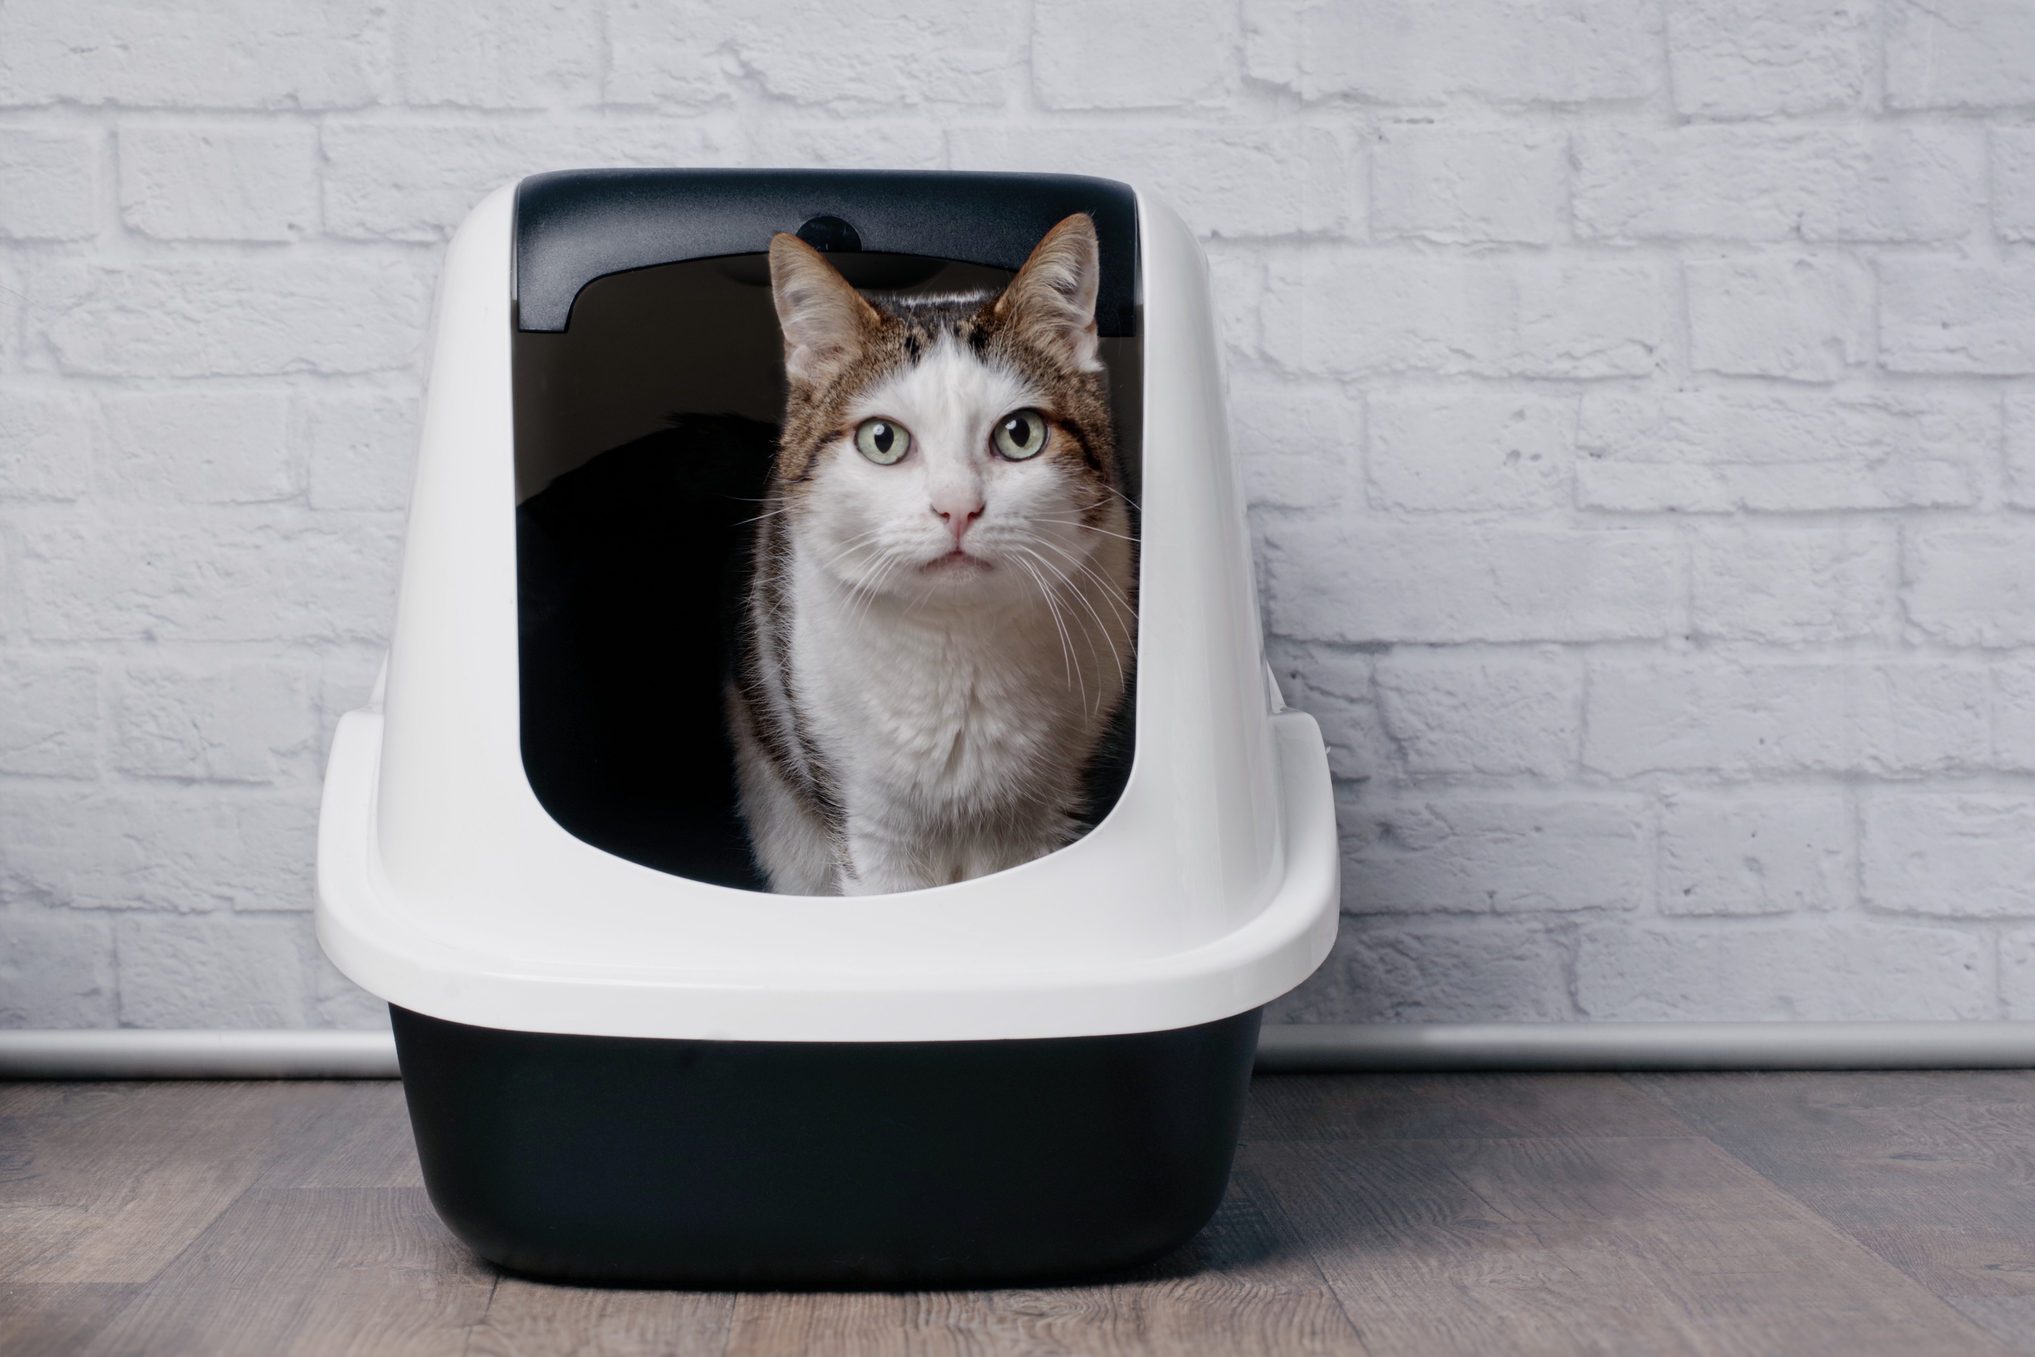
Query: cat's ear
[1051,301]
[825,320]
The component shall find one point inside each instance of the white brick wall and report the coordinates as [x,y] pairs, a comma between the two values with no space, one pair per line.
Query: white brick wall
[1637,400]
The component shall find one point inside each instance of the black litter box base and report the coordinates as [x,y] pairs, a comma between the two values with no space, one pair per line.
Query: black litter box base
[823,1164]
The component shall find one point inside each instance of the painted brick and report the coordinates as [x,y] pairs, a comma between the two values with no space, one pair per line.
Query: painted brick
[198,447]
[1392,970]
[211,973]
[2013,695]
[1453,450]
[2017,973]
[1758,58]
[1833,970]
[1888,718]
[2013,156]
[1940,315]
[1347,311]
[833,144]
[346,679]
[247,721]
[1189,57]
[851,57]
[1462,855]
[2020,440]
[271,313]
[1361,581]
[271,578]
[1509,287]
[418,180]
[1973,54]
[1414,52]
[1764,183]
[1714,451]
[1791,585]
[1762,853]
[56,970]
[228,181]
[361,447]
[499,53]
[338,1002]
[1481,712]
[49,723]
[1227,181]
[225,54]
[1796,316]
[657,56]
[48,181]
[176,850]
[1297,441]
[11,293]
[1972,585]
[1335,688]
[1236,282]
[1483,184]
[1959,854]
[46,450]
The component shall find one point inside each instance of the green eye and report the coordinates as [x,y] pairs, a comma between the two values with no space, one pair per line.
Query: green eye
[1020,434]
[881,441]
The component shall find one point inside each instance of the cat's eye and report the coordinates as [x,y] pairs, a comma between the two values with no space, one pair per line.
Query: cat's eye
[882,441]
[1020,434]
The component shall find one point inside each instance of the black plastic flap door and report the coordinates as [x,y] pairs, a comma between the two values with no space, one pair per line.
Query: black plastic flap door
[578,225]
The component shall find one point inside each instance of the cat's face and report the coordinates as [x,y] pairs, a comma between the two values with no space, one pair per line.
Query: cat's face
[951,450]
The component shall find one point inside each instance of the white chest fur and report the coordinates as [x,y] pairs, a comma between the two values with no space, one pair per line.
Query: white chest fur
[956,715]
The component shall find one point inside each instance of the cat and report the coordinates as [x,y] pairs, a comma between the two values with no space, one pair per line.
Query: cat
[939,620]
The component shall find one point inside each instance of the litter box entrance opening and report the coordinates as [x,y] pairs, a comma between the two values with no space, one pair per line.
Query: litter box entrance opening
[643,437]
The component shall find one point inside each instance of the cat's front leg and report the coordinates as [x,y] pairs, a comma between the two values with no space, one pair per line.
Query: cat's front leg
[880,860]
[1013,847]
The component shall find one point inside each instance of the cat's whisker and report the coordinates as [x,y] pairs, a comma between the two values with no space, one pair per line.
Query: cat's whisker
[1101,632]
[1088,527]
[1122,496]
[1107,591]
[857,540]
[1103,586]
[852,544]
[1071,670]
[1067,648]
[1087,633]
[1057,574]
[870,585]
[891,565]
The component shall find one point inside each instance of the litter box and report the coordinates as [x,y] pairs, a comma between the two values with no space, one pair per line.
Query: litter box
[624,1061]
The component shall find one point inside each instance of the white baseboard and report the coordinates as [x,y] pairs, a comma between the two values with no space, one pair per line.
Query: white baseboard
[1316,1048]
[244,1054]
[1649,1046]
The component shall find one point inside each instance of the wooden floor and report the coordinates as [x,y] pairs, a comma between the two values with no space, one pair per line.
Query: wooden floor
[1745,1213]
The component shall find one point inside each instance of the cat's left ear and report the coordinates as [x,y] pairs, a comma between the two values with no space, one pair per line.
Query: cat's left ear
[1051,301]
[825,320]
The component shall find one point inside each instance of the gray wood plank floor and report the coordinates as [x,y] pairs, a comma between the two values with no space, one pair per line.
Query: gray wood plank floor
[1846,1214]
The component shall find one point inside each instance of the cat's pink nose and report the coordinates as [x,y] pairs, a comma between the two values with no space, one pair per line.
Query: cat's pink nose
[958,516]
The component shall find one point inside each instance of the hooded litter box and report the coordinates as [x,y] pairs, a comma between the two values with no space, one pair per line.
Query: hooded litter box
[623,1060]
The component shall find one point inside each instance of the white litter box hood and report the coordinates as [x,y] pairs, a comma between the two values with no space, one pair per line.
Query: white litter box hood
[446,888]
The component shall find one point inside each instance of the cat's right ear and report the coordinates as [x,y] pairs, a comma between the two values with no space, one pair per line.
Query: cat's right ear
[825,320]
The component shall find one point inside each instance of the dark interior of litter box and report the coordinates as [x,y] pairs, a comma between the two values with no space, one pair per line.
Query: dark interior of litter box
[644,429]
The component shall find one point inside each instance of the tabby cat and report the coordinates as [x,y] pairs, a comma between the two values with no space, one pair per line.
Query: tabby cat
[939,620]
